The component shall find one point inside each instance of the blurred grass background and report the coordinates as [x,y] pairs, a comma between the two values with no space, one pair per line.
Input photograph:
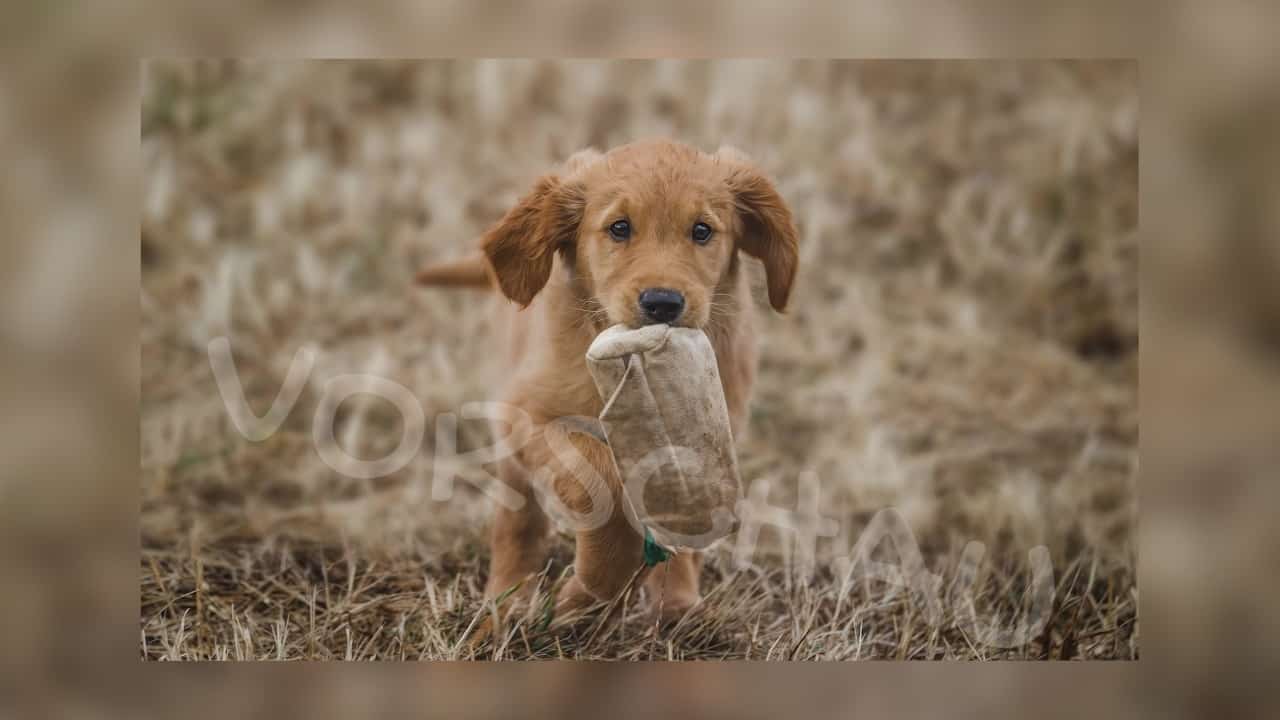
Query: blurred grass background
[962,346]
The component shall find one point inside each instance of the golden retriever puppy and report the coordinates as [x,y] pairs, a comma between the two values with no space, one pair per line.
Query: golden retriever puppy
[651,232]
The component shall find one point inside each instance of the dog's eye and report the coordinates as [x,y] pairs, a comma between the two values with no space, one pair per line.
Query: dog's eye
[620,230]
[701,233]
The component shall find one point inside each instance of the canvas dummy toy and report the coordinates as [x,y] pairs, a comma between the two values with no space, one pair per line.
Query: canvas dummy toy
[668,428]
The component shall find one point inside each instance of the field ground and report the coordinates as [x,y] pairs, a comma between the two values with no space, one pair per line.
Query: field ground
[961,348]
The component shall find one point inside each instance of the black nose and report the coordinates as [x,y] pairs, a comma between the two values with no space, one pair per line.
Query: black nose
[661,304]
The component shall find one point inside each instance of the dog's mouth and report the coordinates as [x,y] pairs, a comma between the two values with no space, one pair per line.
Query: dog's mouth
[636,322]
[635,318]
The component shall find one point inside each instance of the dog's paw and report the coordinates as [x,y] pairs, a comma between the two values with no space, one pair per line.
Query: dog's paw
[510,590]
[670,607]
[524,600]
[574,598]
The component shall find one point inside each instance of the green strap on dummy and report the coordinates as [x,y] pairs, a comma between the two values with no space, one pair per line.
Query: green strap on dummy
[653,552]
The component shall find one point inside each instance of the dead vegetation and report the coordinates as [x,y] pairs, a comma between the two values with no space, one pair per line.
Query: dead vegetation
[962,347]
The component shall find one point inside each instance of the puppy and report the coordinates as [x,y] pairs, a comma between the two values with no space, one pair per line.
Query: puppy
[651,232]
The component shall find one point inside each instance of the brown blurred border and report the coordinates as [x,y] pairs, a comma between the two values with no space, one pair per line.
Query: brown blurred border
[70,82]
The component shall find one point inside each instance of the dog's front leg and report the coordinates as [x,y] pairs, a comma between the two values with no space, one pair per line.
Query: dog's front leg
[609,550]
[518,540]
[672,587]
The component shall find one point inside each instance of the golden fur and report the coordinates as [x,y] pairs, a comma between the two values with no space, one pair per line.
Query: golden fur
[553,256]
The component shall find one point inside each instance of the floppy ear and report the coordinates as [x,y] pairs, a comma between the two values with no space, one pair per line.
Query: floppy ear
[768,232]
[522,246]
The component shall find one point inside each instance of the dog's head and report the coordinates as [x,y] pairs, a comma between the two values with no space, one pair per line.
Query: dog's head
[649,230]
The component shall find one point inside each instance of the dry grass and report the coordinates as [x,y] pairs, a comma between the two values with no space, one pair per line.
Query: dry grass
[962,348]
